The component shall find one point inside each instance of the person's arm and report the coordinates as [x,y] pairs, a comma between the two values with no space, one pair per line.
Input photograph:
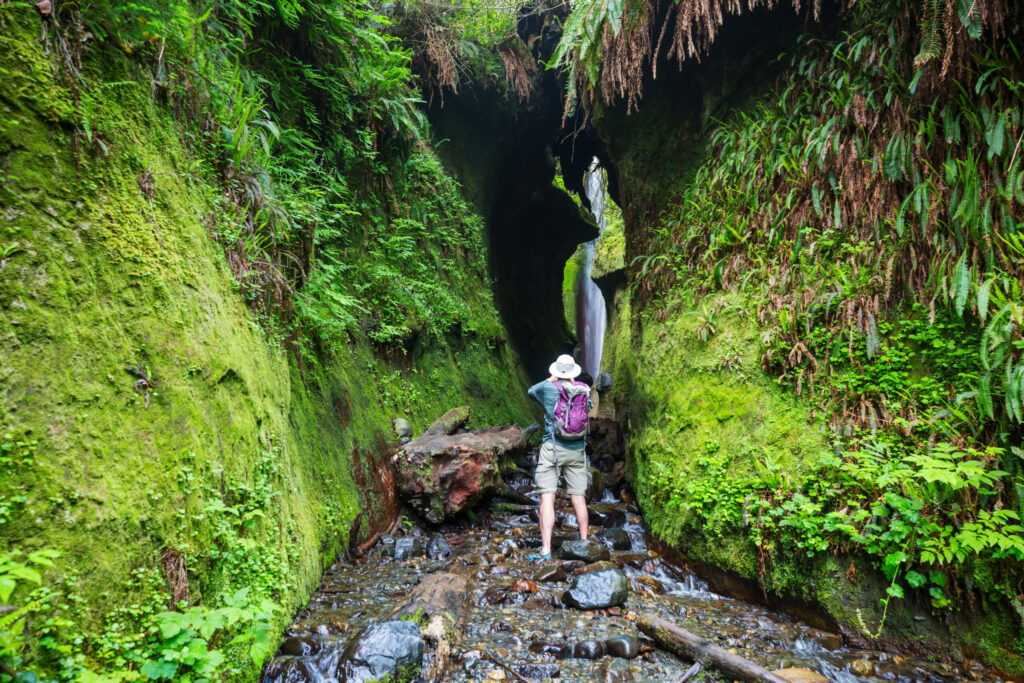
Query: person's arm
[536,392]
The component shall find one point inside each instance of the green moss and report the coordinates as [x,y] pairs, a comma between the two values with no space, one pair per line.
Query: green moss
[610,251]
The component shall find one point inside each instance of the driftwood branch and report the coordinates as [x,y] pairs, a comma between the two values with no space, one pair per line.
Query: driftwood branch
[681,642]
[690,673]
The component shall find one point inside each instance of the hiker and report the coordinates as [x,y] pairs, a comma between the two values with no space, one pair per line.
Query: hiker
[562,449]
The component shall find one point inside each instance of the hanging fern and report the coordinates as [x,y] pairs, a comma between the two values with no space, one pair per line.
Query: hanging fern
[931,31]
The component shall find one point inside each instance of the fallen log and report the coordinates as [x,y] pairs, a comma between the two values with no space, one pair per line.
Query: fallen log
[449,423]
[439,605]
[684,644]
[440,476]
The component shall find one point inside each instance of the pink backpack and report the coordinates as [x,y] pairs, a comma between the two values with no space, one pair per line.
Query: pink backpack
[572,411]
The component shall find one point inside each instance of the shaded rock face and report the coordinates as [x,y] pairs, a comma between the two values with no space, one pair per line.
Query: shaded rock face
[605,439]
[597,590]
[441,475]
[381,649]
[503,151]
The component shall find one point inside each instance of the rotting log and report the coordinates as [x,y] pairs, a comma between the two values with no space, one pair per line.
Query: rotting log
[687,645]
[440,476]
[439,604]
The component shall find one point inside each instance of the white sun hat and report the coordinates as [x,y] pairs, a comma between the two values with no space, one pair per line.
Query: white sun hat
[565,367]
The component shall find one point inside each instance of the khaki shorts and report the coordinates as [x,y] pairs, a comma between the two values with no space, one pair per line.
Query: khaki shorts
[555,461]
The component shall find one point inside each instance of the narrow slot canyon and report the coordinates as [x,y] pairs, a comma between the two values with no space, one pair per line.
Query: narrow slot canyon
[286,295]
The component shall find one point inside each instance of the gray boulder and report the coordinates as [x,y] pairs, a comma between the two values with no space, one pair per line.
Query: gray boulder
[598,590]
[403,430]
[406,548]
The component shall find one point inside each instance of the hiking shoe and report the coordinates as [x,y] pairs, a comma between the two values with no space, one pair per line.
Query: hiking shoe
[538,558]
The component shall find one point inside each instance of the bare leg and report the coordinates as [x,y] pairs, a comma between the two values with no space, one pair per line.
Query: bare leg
[579,504]
[547,521]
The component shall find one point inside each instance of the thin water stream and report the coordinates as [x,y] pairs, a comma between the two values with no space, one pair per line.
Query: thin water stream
[519,619]
[591,311]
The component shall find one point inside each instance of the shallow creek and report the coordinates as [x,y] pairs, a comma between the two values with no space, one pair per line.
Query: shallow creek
[527,630]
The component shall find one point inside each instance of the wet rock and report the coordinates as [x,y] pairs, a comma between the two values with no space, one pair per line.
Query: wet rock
[537,672]
[634,560]
[524,586]
[573,566]
[589,649]
[537,602]
[625,646]
[607,516]
[616,671]
[402,428]
[549,573]
[599,566]
[291,670]
[604,383]
[646,584]
[605,438]
[449,423]
[613,538]
[543,647]
[382,649]
[495,594]
[598,590]
[441,475]
[438,547]
[508,545]
[499,570]
[586,551]
[605,464]
[831,641]
[501,627]
[862,667]
[407,548]
[300,646]
[794,675]
[469,660]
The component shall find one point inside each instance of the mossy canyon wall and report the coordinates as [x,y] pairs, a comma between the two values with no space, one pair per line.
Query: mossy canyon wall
[776,441]
[168,439]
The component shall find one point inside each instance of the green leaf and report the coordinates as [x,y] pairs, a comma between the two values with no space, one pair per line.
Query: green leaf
[983,293]
[159,669]
[895,591]
[961,283]
[7,586]
[915,579]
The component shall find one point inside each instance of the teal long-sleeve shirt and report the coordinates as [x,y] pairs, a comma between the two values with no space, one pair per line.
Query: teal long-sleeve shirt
[546,394]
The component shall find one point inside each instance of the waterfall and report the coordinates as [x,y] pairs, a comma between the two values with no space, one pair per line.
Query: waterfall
[591,314]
